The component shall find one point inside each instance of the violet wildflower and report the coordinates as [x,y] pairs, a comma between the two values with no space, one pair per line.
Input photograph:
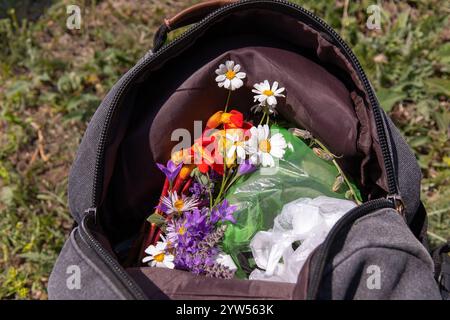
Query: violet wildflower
[171,170]
[175,204]
[176,231]
[197,222]
[223,212]
[246,167]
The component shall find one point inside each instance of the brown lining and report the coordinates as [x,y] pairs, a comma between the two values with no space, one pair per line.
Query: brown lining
[177,284]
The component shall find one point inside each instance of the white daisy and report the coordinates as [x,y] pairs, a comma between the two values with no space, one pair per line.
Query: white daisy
[174,204]
[263,148]
[266,95]
[229,76]
[158,256]
[235,145]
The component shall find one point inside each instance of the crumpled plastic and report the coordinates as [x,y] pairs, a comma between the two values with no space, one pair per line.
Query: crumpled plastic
[305,221]
[260,197]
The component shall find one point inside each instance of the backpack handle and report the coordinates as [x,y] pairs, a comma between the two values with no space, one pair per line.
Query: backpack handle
[186,17]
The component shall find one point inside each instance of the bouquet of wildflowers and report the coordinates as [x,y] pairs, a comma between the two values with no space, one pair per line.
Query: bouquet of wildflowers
[189,223]
[192,215]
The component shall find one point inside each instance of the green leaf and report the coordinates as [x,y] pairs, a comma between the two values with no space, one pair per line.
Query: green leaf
[443,53]
[389,97]
[157,219]
[438,86]
[418,141]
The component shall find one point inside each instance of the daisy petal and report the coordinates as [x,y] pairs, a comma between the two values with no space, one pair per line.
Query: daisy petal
[220,78]
[271,100]
[274,86]
[236,83]
[147,259]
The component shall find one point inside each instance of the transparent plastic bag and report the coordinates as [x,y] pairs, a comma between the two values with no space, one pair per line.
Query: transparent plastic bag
[260,197]
[306,221]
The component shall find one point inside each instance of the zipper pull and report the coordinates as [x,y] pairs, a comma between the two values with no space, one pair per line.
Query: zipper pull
[93,212]
[398,204]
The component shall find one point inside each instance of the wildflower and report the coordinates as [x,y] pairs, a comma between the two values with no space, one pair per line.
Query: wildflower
[263,148]
[322,154]
[266,95]
[171,170]
[182,156]
[176,231]
[197,222]
[232,119]
[246,167]
[304,134]
[223,212]
[229,76]
[235,145]
[175,204]
[158,256]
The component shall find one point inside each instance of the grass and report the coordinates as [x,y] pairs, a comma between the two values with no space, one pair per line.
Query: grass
[52,79]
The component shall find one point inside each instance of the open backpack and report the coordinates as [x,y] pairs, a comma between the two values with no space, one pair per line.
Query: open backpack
[114,184]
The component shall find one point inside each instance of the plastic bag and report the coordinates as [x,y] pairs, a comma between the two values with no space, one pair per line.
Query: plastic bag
[260,197]
[305,220]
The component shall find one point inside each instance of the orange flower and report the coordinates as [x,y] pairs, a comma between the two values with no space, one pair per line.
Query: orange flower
[232,119]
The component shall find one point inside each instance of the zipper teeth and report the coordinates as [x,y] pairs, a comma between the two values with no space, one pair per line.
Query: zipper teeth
[109,261]
[98,175]
[348,218]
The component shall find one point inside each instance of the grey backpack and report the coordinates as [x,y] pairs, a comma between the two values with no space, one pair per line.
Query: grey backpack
[376,251]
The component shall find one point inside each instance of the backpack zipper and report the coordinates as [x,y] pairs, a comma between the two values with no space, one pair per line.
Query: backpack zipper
[393,200]
[109,261]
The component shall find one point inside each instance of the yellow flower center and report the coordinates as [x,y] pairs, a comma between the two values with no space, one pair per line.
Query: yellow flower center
[181,230]
[264,146]
[230,74]
[159,257]
[268,93]
[179,204]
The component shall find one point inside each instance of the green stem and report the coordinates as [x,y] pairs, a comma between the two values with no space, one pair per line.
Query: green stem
[262,118]
[225,179]
[209,191]
[236,176]
[341,172]
[228,100]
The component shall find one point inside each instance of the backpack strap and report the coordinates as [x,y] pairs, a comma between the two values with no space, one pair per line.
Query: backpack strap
[186,17]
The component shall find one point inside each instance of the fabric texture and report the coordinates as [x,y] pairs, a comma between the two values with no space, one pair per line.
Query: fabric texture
[379,244]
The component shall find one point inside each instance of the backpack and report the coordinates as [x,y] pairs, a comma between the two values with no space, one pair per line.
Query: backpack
[378,250]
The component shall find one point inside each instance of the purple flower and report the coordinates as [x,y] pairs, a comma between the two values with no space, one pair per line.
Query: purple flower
[223,212]
[171,170]
[176,232]
[245,168]
[201,191]
[197,222]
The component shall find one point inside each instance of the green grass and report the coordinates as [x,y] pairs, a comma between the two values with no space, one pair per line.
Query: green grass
[52,79]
